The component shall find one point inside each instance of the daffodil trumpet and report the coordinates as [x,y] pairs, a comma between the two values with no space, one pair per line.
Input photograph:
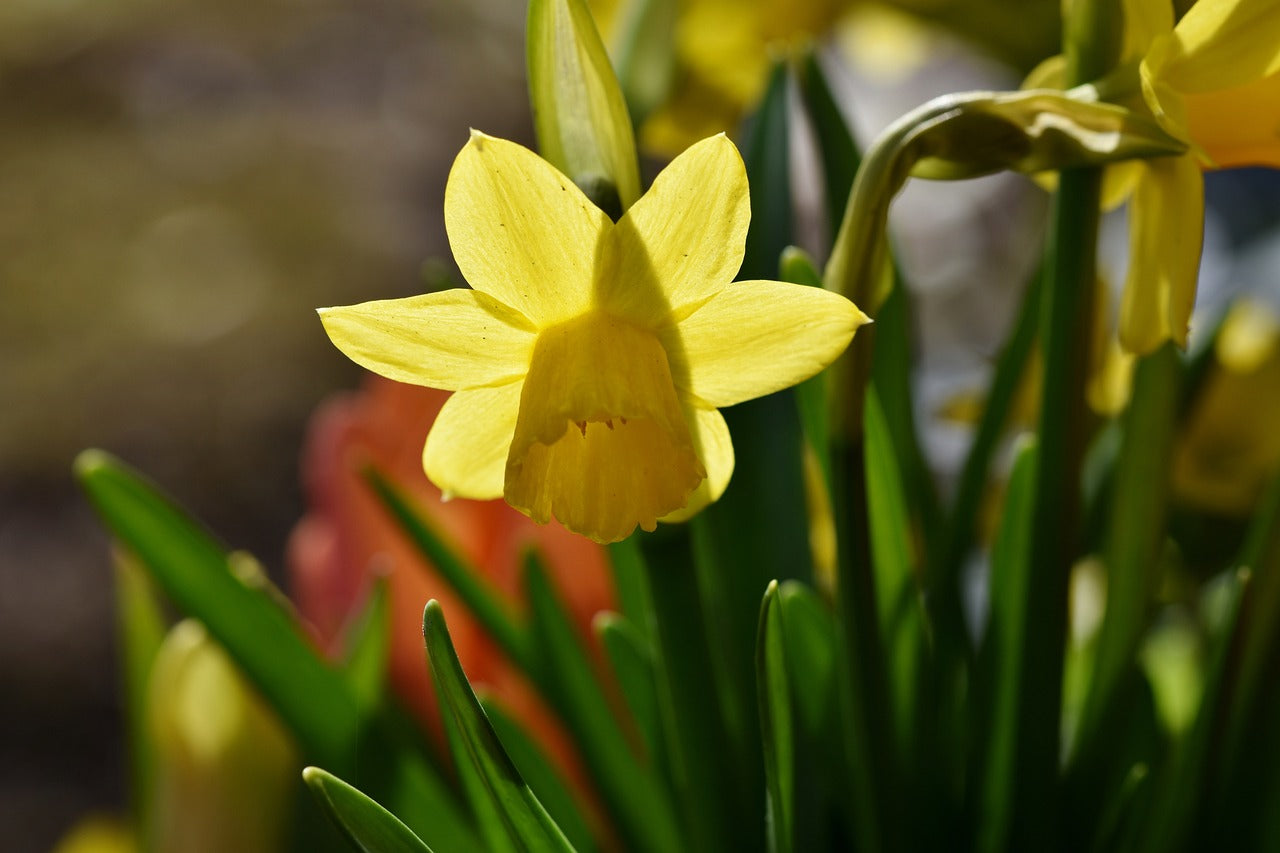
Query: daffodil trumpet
[590,358]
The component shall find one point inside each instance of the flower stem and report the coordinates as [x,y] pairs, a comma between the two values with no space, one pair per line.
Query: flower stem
[1066,320]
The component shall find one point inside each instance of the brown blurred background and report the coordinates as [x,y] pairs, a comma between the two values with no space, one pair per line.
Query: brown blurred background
[182,182]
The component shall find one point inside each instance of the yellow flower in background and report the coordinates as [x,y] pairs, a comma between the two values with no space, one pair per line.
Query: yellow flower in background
[1230,447]
[1212,81]
[722,55]
[590,358]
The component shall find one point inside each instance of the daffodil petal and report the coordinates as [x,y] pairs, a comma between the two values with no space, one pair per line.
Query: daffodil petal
[1166,227]
[521,231]
[1224,44]
[715,449]
[683,241]
[466,450]
[1239,126]
[757,337]
[450,340]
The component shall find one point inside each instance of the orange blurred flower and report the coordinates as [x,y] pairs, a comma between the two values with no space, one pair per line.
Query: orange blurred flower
[347,536]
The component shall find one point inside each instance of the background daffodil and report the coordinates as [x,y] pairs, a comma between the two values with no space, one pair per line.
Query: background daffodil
[1212,81]
[591,356]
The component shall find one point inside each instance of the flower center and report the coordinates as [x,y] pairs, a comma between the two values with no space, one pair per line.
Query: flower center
[601,441]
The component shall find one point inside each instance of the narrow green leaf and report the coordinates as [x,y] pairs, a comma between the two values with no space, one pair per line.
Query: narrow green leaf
[313,700]
[484,806]
[541,775]
[836,146]
[631,586]
[522,817]
[1179,800]
[1000,663]
[367,825]
[698,754]
[579,112]
[775,722]
[141,628]
[767,154]
[631,658]
[632,791]
[896,566]
[961,528]
[797,267]
[810,642]
[484,602]
[1135,533]
[368,643]
[259,635]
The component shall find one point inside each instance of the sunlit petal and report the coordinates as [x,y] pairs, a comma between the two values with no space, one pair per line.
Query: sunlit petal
[1166,227]
[715,449]
[452,339]
[684,239]
[1224,44]
[757,337]
[601,442]
[521,231]
[1239,126]
[466,450]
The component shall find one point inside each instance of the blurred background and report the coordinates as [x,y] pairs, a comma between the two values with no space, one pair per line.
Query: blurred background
[182,183]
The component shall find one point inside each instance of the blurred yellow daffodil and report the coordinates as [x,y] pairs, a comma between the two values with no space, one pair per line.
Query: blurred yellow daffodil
[590,357]
[1212,81]
[1230,447]
[722,59]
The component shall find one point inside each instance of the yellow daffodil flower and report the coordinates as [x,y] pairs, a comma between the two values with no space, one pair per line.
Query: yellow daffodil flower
[590,357]
[722,55]
[1212,81]
[1230,447]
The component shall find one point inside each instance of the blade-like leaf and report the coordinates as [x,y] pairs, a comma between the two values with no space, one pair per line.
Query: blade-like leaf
[370,827]
[484,602]
[895,565]
[775,722]
[633,668]
[522,817]
[141,627]
[543,777]
[313,700]
[368,644]
[631,790]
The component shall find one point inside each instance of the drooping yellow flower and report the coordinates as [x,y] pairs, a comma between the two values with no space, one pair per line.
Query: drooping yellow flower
[1212,81]
[590,357]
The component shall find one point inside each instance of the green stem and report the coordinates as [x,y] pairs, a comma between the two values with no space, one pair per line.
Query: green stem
[1065,335]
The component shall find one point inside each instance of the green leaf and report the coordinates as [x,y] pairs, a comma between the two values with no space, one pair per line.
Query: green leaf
[631,658]
[896,566]
[632,791]
[579,112]
[775,722]
[1179,799]
[631,586]
[1000,663]
[521,816]
[541,775]
[141,628]
[367,825]
[256,632]
[368,644]
[484,602]
[836,146]
[313,701]
[1135,533]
